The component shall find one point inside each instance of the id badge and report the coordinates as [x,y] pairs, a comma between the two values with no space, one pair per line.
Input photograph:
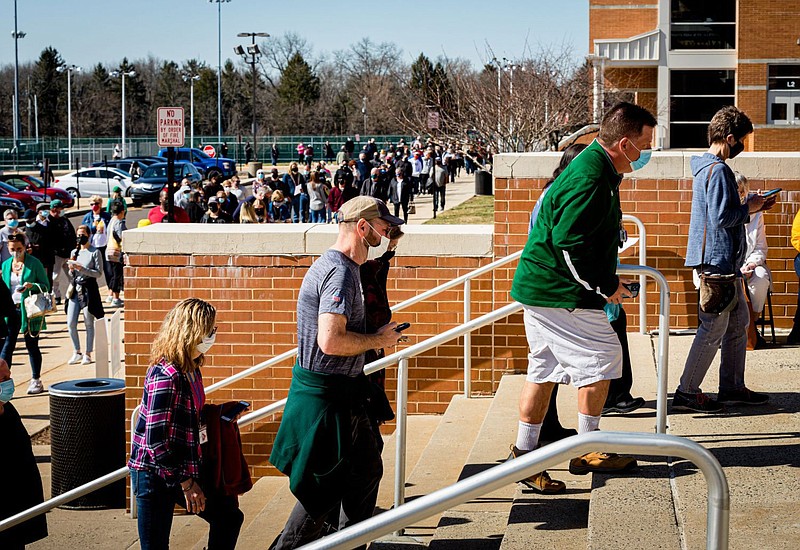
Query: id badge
[203,434]
[623,236]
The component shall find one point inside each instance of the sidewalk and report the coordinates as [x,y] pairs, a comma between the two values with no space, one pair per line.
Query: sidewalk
[458,192]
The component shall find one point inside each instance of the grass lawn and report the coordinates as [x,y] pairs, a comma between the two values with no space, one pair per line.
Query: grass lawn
[477,210]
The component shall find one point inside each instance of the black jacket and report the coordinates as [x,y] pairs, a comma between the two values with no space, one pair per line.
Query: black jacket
[63,235]
[41,239]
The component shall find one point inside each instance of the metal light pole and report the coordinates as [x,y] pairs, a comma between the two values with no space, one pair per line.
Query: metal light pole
[16,35]
[510,67]
[254,52]
[219,69]
[191,78]
[364,112]
[68,69]
[499,67]
[123,74]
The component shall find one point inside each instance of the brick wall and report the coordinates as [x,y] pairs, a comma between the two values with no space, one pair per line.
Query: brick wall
[768,29]
[663,203]
[620,18]
[256,299]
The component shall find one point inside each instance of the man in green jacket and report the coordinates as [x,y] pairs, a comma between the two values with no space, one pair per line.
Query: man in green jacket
[326,442]
[566,275]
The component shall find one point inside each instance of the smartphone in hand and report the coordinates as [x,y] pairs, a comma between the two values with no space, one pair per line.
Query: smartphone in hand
[401,327]
[235,411]
[633,288]
[772,192]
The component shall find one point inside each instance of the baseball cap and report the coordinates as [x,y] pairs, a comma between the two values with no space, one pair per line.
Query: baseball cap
[56,203]
[117,189]
[42,206]
[29,215]
[368,208]
[213,199]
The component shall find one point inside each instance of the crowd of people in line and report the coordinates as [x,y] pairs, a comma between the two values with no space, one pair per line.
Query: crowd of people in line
[310,192]
[329,443]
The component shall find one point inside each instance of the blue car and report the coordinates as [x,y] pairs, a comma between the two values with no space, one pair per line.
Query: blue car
[154,179]
[208,166]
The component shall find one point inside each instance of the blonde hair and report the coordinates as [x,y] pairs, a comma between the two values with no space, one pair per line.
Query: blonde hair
[183,329]
[248,214]
[277,195]
[95,198]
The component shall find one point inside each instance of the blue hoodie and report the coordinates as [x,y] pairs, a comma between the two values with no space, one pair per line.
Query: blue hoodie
[725,235]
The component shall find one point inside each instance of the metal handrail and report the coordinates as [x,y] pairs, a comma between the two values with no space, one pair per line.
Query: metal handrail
[718,495]
[401,358]
[642,261]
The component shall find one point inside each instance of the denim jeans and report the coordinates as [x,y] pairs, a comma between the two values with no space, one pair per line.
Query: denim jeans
[318,216]
[156,502]
[73,311]
[728,329]
[300,208]
[31,343]
[438,197]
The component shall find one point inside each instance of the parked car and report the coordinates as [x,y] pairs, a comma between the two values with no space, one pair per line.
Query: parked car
[28,198]
[7,203]
[24,182]
[126,163]
[154,179]
[208,166]
[93,181]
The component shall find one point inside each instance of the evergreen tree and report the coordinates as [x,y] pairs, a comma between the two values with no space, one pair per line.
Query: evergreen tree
[51,89]
[299,88]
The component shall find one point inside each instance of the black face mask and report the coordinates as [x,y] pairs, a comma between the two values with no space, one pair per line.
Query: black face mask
[213,207]
[260,212]
[735,149]
[82,240]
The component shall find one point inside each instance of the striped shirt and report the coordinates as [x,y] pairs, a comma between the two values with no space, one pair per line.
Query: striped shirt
[166,439]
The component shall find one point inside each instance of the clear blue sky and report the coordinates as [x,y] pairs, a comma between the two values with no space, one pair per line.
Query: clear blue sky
[89,31]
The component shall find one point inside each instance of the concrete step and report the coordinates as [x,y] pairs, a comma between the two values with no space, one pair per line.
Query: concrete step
[481,523]
[635,510]
[268,520]
[441,464]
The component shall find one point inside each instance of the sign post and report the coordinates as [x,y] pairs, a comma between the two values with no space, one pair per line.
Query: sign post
[171,134]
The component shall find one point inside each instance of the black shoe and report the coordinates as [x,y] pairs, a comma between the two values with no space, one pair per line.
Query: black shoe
[794,337]
[58,301]
[552,435]
[698,402]
[624,406]
[760,342]
[742,397]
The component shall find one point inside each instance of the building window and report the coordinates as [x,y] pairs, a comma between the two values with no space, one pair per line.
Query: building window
[783,98]
[694,98]
[703,25]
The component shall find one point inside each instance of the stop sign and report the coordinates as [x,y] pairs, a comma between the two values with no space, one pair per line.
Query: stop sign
[210,151]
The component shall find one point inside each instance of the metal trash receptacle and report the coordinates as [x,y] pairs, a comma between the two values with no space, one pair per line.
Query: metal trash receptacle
[483,182]
[87,439]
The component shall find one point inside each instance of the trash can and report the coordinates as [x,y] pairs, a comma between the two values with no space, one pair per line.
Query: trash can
[87,439]
[483,182]
[253,167]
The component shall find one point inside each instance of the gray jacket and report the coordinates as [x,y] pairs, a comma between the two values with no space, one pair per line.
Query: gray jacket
[724,220]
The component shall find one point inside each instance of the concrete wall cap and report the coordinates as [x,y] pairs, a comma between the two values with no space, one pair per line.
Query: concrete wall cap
[670,164]
[300,239]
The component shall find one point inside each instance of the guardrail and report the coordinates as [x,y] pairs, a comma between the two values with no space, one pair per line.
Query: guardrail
[717,497]
[401,358]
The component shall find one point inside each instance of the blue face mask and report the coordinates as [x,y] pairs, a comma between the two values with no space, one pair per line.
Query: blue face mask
[644,157]
[13,224]
[6,390]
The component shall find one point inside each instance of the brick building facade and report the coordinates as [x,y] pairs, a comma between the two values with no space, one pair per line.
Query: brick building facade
[684,59]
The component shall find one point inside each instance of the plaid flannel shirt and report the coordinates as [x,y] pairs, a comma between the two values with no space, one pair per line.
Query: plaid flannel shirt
[166,439]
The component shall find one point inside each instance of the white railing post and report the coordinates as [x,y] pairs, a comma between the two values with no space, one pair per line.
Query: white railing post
[642,278]
[400,435]
[134,420]
[467,339]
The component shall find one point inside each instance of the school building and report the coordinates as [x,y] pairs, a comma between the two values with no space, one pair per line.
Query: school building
[684,59]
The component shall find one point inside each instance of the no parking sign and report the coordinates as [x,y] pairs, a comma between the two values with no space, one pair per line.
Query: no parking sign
[170,127]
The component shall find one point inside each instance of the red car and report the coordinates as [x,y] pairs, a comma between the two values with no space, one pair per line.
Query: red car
[24,183]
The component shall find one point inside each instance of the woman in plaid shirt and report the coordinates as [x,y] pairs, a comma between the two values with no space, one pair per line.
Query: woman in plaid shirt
[165,451]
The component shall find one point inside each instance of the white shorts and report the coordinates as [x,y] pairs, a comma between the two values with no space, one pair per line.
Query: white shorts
[575,346]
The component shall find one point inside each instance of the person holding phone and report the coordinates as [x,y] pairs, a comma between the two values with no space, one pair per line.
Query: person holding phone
[165,461]
[24,275]
[85,265]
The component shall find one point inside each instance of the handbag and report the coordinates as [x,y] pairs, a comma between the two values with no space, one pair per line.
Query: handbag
[412,208]
[717,291]
[40,304]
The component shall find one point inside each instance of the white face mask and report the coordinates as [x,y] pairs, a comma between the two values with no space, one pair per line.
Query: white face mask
[207,342]
[381,242]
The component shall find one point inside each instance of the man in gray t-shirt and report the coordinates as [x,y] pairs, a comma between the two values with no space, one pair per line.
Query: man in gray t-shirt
[331,286]
[332,341]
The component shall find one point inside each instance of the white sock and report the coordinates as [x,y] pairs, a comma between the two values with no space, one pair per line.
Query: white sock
[527,436]
[588,423]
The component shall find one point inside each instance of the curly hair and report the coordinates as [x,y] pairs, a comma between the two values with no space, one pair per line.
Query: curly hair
[183,329]
[729,121]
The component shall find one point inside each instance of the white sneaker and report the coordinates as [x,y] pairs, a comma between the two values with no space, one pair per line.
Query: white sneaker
[35,386]
[76,358]
[110,299]
[86,359]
